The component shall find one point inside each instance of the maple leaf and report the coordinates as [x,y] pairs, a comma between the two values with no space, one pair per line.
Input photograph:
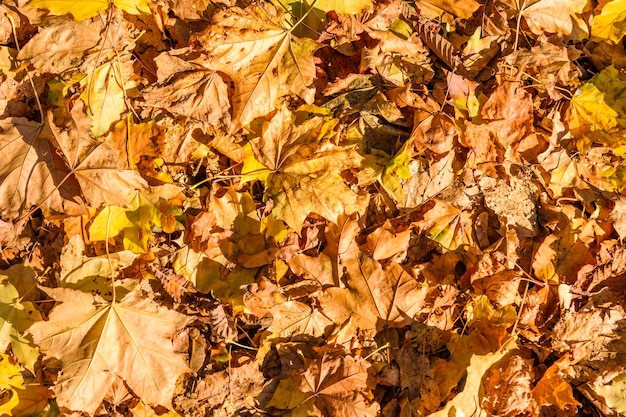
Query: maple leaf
[60,47]
[147,210]
[559,257]
[297,320]
[16,316]
[97,341]
[136,140]
[10,379]
[469,401]
[201,95]
[91,275]
[447,225]
[385,242]
[264,59]
[598,110]
[331,385]
[373,298]
[301,169]
[611,22]
[105,92]
[90,8]
[37,179]
[25,399]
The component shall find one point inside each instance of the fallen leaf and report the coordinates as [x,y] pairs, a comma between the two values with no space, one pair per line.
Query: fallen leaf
[105,93]
[610,23]
[615,393]
[91,8]
[266,63]
[470,400]
[16,316]
[552,389]
[98,340]
[329,386]
[200,95]
[56,49]
[374,298]
[301,176]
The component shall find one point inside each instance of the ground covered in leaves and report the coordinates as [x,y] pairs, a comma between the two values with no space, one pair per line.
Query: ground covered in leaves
[327,208]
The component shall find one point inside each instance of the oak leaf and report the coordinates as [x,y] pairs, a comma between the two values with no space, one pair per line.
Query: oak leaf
[97,341]
[90,8]
[261,56]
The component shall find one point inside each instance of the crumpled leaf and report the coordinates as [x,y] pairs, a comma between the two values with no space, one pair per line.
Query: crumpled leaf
[264,59]
[97,341]
[58,48]
[201,95]
[90,8]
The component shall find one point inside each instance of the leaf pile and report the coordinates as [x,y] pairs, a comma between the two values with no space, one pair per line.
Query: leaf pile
[312,208]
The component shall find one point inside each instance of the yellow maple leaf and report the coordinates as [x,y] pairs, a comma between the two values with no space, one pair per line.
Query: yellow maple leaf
[16,316]
[146,211]
[611,22]
[597,113]
[105,93]
[82,10]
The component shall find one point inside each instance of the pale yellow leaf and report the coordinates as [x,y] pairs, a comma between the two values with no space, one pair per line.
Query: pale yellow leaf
[98,341]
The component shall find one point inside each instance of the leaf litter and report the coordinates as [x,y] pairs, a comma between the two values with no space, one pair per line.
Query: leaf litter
[358,208]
